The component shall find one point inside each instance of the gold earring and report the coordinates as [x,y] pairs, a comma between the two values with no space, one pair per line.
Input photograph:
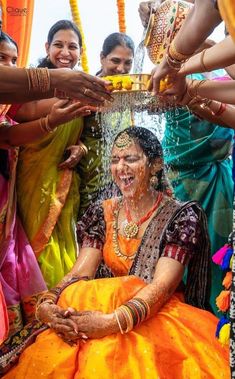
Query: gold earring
[154,181]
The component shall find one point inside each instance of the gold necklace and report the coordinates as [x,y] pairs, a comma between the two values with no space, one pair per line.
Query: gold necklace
[131,228]
[116,247]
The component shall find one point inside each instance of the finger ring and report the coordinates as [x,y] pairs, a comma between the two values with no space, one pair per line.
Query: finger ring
[174,97]
[85,91]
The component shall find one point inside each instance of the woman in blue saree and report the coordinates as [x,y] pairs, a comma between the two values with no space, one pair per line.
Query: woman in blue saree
[198,156]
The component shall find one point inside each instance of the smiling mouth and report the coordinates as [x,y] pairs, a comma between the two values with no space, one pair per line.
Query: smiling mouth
[126,180]
[64,61]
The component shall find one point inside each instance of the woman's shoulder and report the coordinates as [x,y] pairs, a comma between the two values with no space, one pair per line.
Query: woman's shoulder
[187,224]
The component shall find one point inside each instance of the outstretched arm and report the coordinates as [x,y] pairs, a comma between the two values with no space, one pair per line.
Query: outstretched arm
[211,59]
[198,25]
[28,132]
[15,88]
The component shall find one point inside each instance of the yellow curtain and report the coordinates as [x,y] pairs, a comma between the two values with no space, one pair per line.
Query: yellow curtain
[17,18]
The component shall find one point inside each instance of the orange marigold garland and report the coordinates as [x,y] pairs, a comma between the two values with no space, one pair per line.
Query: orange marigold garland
[77,21]
[121,16]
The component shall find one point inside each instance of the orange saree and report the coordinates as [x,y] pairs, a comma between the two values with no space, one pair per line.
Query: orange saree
[177,343]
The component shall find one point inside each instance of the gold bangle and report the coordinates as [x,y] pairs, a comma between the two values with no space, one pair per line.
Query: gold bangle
[202,63]
[28,77]
[199,84]
[172,63]
[51,302]
[39,79]
[83,147]
[176,54]
[45,126]
[118,322]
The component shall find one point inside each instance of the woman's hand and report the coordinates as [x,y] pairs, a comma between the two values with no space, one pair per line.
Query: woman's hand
[47,312]
[86,88]
[94,324]
[76,154]
[159,73]
[65,110]
[144,12]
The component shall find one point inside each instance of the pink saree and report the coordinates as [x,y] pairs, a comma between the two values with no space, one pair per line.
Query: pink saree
[20,276]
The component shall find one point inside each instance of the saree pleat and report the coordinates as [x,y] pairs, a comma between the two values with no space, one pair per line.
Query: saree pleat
[177,343]
[20,276]
[48,200]
[199,167]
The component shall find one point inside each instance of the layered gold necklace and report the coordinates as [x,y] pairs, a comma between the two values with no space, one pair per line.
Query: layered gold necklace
[131,231]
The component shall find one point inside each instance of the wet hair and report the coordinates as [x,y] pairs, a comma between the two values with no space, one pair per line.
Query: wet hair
[116,39]
[59,25]
[4,37]
[152,149]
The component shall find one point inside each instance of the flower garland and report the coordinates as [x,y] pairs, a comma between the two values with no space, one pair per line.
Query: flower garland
[77,21]
[121,16]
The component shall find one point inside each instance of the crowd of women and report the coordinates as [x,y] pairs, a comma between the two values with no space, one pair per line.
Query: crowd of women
[86,280]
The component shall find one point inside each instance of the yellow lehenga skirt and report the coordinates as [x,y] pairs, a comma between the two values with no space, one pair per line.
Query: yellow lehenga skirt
[177,343]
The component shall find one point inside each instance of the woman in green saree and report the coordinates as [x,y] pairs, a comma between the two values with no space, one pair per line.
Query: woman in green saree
[116,58]
[47,185]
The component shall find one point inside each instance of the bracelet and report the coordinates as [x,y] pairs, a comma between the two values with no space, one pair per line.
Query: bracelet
[83,148]
[118,322]
[202,63]
[174,54]
[175,65]
[221,110]
[133,313]
[38,79]
[45,126]
[195,88]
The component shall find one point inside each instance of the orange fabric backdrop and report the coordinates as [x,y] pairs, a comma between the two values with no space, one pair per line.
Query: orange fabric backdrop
[17,18]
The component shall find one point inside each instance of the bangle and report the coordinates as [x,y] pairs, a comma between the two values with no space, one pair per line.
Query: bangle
[202,63]
[45,125]
[195,88]
[176,54]
[51,302]
[83,148]
[38,79]
[221,110]
[118,322]
[172,63]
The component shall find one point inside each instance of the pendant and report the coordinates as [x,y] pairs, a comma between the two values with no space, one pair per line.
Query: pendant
[130,230]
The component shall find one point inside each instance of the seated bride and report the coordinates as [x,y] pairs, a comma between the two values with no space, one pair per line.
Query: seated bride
[136,320]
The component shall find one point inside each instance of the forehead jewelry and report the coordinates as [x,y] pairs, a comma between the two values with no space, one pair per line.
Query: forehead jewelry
[123,141]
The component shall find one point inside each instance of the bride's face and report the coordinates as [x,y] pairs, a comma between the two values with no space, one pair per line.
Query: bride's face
[131,171]
[64,50]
